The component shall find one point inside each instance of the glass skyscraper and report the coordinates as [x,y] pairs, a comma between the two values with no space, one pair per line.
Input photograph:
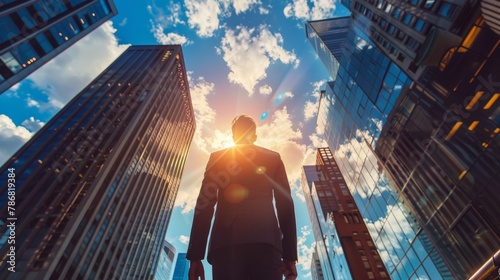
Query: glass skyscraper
[166,263]
[353,110]
[181,270]
[34,32]
[95,187]
[418,143]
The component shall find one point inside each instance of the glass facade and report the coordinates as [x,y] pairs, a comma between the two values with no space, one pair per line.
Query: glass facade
[33,33]
[352,116]
[423,159]
[441,146]
[96,185]
[166,262]
[316,271]
[181,267]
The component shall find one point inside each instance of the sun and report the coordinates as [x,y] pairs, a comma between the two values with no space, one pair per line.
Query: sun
[222,140]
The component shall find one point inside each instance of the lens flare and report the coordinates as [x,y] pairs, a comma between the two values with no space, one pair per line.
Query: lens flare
[264,115]
[260,170]
[235,193]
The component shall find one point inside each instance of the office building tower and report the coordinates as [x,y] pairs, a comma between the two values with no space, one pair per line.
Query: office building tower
[95,187]
[181,267]
[352,112]
[34,32]
[415,33]
[316,271]
[166,262]
[337,224]
[436,142]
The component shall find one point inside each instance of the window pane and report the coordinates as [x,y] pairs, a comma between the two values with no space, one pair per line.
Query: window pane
[446,9]
[11,62]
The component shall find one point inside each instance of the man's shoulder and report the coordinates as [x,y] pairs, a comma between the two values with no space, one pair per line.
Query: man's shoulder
[267,151]
[247,149]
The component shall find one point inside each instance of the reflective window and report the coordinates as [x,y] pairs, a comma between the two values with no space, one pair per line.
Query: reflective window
[25,53]
[446,9]
[11,62]
[421,25]
[407,18]
[44,42]
[26,18]
[397,13]
[429,4]
[8,29]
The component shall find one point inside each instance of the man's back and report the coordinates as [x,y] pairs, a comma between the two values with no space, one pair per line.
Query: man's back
[245,177]
[248,240]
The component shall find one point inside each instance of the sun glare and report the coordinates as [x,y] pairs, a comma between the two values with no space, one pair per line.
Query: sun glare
[222,140]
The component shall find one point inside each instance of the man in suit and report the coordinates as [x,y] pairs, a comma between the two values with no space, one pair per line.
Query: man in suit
[247,241]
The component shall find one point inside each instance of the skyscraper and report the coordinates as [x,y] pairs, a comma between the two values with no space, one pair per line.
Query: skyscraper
[353,110]
[166,263]
[34,32]
[344,246]
[95,187]
[435,124]
[316,271]
[181,270]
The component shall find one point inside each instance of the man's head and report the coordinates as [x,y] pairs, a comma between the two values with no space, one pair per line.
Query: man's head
[244,130]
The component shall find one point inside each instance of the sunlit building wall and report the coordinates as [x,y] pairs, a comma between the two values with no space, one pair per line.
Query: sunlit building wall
[34,32]
[353,111]
[441,146]
[95,187]
[452,108]
[350,248]
[439,143]
[166,263]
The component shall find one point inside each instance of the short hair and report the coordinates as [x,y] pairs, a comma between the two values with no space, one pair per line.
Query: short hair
[243,126]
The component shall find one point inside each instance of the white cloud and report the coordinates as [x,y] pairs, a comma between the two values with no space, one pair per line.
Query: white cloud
[12,91]
[266,89]
[204,114]
[123,22]
[165,19]
[203,16]
[263,11]
[399,228]
[311,107]
[201,147]
[249,52]
[32,124]
[358,166]
[67,74]
[184,239]
[310,110]
[305,252]
[32,103]
[241,6]
[279,135]
[12,137]
[301,9]
[168,39]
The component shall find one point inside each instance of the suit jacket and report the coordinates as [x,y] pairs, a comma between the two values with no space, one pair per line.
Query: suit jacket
[242,181]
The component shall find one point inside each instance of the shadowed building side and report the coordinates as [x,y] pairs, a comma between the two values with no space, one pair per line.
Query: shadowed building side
[34,32]
[95,187]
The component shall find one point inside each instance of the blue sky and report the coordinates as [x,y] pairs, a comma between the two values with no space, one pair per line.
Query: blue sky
[243,57]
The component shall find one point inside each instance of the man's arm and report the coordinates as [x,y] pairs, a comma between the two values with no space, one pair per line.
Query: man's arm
[203,214]
[286,213]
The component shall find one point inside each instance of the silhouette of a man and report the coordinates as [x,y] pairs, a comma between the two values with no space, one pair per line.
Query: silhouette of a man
[249,239]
